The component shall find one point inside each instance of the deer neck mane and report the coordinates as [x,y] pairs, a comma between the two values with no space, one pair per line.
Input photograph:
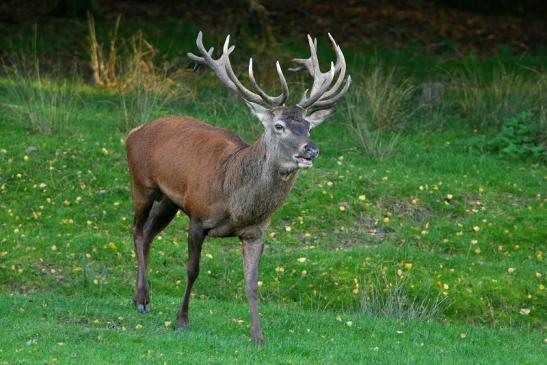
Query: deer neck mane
[257,164]
[254,180]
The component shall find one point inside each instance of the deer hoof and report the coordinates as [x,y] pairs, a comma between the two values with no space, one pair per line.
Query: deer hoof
[143,308]
[182,323]
[259,340]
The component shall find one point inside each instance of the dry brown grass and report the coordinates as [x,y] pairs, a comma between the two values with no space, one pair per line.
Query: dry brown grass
[490,101]
[377,108]
[44,104]
[129,67]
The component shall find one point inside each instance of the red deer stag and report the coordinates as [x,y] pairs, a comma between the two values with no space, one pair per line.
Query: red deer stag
[225,186]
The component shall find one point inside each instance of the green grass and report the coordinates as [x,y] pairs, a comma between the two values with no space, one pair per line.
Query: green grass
[433,223]
[58,329]
[66,208]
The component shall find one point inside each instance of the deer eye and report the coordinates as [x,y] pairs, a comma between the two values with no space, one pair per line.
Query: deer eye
[279,127]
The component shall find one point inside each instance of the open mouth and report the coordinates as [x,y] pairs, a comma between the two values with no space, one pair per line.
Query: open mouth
[302,161]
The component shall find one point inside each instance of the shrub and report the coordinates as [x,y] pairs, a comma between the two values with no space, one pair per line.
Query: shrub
[521,136]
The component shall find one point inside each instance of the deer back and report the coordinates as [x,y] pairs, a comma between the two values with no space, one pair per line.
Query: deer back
[183,158]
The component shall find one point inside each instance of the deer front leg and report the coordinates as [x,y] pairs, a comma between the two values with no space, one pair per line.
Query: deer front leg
[196,235]
[252,250]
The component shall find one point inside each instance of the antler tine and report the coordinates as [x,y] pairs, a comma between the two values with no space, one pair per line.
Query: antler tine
[243,91]
[328,103]
[340,66]
[307,63]
[321,83]
[273,100]
[283,82]
[223,68]
[313,66]
[207,54]
[215,65]
[321,94]
[198,43]
[303,98]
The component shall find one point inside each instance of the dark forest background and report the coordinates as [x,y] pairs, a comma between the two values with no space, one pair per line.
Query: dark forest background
[438,26]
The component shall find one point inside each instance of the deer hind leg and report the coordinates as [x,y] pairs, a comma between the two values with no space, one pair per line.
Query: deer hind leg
[196,235]
[159,215]
[162,213]
[143,199]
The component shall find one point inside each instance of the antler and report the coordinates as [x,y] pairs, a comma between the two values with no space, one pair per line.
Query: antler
[322,95]
[223,68]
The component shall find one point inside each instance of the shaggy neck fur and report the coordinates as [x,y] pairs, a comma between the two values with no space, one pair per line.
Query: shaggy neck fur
[257,181]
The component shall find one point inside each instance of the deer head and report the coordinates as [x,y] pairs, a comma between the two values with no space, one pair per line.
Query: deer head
[287,128]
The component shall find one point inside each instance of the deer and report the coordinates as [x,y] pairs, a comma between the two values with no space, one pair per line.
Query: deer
[226,187]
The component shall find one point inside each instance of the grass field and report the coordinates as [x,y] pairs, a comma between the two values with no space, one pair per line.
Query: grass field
[60,329]
[417,243]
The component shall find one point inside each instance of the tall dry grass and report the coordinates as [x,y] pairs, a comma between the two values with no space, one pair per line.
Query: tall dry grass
[148,88]
[105,64]
[43,103]
[381,104]
[129,67]
[378,107]
[385,298]
[488,101]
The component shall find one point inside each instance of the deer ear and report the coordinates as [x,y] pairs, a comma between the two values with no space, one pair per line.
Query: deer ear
[264,114]
[318,117]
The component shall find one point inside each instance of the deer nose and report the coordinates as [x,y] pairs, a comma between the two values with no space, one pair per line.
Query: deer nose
[311,150]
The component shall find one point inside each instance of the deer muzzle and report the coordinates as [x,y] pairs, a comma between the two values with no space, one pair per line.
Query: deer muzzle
[307,153]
